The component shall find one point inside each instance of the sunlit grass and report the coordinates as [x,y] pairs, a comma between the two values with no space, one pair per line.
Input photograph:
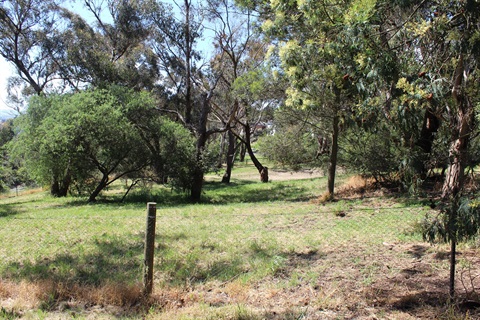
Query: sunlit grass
[242,234]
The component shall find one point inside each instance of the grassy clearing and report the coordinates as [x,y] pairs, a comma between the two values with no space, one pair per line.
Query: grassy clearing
[250,251]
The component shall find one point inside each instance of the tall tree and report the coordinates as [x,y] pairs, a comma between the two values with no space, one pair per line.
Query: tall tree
[25,26]
[456,31]
[190,88]
[239,50]
[317,57]
[110,50]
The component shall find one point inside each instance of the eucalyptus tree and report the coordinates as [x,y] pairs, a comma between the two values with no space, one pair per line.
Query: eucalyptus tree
[239,50]
[189,84]
[317,58]
[448,34]
[25,27]
[431,53]
[106,45]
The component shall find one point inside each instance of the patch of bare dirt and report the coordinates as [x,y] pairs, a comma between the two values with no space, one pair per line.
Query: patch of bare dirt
[390,281]
[399,282]
[282,175]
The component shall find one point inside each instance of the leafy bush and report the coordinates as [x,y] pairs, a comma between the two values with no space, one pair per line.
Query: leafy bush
[370,153]
[290,147]
[90,139]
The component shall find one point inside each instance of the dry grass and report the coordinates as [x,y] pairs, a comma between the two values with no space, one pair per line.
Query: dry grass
[49,295]
[267,259]
[23,192]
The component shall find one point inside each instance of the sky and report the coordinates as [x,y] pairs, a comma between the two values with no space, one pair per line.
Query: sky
[6,70]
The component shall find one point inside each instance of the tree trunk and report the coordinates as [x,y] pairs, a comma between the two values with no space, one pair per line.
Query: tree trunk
[101,185]
[243,152]
[332,167]
[60,188]
[223,138]
[188,63]
[198,174]
[197,185]
[230,157]
[261,169]
[202,136]
[430,126]
[134,183]
[453,253]
[462,123]
[55,189]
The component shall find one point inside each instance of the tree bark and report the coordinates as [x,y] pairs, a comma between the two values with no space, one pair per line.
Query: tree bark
[59,188]
[101,185]
[248,145]
[198,174]
[243,152]
[430,126]
[221,153]
[230,157]
[188,64]
[332,167]
[202,136]
[462,125]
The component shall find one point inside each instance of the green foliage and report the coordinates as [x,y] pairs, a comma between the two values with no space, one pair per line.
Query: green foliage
[97,136]
[459,221]
[372,153]
[177,154]
[12,171]
[295,141]
[109,51]
[290,148]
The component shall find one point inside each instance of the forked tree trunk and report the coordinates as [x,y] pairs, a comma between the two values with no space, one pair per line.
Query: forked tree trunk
[59,188]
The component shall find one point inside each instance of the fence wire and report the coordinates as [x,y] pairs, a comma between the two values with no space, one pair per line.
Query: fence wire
[347,244]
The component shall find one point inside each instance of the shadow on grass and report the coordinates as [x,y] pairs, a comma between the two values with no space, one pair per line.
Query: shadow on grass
[109,261]
[7,210]
[251,192]
[213,193]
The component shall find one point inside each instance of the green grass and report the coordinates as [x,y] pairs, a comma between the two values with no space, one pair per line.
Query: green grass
[246,231]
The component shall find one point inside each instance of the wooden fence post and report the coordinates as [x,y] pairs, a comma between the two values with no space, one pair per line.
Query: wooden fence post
[149,249]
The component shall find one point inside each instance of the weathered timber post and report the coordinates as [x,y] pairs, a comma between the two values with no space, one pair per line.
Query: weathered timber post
[149,249]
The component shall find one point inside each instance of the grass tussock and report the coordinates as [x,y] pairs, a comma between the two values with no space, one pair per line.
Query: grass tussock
[354,187]
[324,198]
[48,295]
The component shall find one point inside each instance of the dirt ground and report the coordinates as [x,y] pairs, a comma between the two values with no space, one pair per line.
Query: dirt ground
[414,287]
[391,281]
